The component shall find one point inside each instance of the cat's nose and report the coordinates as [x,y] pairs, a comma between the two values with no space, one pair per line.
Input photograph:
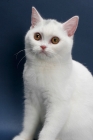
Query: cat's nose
[43,47]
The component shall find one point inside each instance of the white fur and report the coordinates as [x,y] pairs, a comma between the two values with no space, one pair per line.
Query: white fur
[58,90]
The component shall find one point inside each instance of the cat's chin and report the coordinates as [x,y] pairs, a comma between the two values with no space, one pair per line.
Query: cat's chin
[43,55]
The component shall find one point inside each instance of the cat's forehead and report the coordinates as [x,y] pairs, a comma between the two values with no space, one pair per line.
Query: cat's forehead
[50,21]
[51,24]
[49,27]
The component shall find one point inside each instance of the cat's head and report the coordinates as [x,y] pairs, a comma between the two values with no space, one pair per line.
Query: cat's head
[49,39]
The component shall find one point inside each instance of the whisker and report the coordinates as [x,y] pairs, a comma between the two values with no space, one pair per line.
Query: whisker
[20,52]
[20,61]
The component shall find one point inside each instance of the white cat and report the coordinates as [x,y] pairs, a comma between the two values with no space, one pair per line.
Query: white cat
[58,90]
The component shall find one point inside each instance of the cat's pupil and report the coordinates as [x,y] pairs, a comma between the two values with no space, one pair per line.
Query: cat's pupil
[37,36]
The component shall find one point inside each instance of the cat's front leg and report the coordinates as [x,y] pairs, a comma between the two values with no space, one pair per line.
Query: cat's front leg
[57,114]
[31,120]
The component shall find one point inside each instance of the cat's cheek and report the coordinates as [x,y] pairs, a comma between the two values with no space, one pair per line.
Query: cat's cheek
[57,48]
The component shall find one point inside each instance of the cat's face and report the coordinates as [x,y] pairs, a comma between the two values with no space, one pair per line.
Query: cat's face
[49,39]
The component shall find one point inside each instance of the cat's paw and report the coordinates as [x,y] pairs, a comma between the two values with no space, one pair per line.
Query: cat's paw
[18,138]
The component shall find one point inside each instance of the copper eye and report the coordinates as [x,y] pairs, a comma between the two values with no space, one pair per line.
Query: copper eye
[55,40]
[37,36]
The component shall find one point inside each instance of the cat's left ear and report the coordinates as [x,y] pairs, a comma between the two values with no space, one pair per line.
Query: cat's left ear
[70,26]
[35,18]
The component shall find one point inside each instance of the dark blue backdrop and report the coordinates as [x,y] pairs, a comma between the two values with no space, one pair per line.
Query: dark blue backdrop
[14,22]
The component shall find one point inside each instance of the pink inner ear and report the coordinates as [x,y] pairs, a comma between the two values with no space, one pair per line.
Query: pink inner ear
[71,25]
[36,18]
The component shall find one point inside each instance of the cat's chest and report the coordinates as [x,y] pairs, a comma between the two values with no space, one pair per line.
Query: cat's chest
[43,76]
[47,76]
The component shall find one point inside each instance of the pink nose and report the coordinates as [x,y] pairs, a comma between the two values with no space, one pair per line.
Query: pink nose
[43,47]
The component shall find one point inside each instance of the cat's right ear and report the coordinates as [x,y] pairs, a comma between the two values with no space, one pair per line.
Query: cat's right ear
[35,18]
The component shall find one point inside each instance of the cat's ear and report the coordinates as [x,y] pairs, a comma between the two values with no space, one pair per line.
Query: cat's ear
[70,26]
[35,18]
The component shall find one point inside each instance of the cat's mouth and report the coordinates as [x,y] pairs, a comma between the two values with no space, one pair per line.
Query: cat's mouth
[43,52]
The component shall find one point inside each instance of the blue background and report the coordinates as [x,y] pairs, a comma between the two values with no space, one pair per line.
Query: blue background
[15,18]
